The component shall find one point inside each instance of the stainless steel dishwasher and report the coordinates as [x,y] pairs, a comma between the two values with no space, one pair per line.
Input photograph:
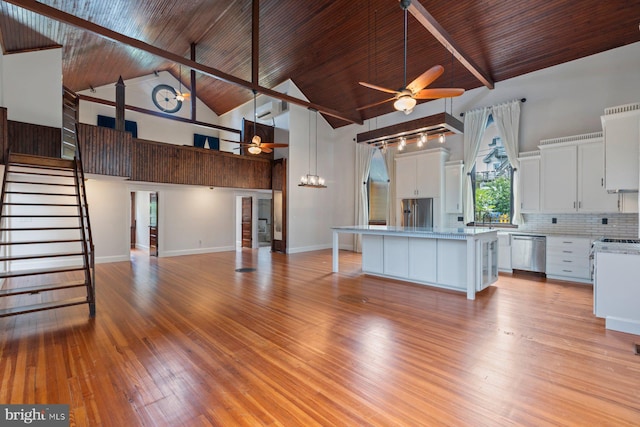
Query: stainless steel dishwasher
[528,252]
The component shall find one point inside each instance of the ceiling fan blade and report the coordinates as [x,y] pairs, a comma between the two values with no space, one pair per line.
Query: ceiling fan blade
[266,149]
[426,78]
[381,89]
[438,93]
[374,104]
[273,145]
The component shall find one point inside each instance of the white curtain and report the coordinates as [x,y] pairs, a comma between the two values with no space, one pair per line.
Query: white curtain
[390,163]
[364,154]
[507,119]
[475,122]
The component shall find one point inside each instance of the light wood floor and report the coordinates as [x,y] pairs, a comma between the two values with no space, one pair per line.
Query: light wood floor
[189,341]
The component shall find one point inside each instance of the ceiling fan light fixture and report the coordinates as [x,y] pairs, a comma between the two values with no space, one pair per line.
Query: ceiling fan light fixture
[254,149]
[256,139]
[180,97]
[405,103]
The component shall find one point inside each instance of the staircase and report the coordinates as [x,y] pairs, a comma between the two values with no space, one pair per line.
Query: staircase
[46,248]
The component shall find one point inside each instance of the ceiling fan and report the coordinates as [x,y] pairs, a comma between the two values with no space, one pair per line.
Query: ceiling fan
[406,98]
[181,96]
[256,146]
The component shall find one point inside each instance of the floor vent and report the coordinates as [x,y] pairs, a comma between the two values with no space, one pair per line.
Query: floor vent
[245,270]
[353,298]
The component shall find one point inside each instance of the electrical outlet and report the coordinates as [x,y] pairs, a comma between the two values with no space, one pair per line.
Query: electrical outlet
[605,221]
[554,220]
[460,218]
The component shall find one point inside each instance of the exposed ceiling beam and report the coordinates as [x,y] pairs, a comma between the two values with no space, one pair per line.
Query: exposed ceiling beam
[75,21]
[429,22]
[156,113]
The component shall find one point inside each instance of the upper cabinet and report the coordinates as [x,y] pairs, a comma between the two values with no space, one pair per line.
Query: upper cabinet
[572,175]
[621,129]
[453,186]
[529,182]
[420,174]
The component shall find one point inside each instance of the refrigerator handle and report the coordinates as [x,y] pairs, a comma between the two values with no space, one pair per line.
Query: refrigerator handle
[415,217]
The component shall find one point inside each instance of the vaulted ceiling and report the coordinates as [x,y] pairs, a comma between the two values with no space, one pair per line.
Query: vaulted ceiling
[324,46]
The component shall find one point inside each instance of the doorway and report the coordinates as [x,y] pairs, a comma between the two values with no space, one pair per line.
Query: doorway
[247,222]
[144,222]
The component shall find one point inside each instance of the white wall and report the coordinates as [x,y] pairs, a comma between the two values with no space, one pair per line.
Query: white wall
[138,93]
[109,213]
[31,87]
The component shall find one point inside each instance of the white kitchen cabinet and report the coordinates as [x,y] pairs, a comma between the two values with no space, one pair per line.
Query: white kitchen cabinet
[568,258]
[372,253]
[621,129]
[420,174]
[529,182]
[572,176]
[423,260]
[628,202]
[396,256]
[504,252]
[450,252]
[488,263]
[453,186]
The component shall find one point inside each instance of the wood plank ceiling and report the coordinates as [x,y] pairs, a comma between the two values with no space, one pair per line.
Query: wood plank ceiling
[324,46]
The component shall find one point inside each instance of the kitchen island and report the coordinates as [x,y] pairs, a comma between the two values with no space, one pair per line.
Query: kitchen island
[461,259]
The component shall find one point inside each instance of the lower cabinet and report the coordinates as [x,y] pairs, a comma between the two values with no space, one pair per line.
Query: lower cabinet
[452,256]
[422,260]
[396,256]
[504,252]
[568,258]
[372,253]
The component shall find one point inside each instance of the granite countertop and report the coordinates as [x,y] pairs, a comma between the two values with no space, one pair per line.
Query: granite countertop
[618,248]
[460,232]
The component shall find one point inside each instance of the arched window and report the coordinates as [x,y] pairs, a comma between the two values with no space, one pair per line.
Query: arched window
[378,189]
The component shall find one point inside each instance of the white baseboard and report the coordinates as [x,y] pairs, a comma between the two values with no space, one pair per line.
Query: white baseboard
[113,258]
[142,247]
[197,251]
[308,248]
[629,326]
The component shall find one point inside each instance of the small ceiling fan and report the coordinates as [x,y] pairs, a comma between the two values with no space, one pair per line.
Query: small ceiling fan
[406,98]
[181,96]
[256,146]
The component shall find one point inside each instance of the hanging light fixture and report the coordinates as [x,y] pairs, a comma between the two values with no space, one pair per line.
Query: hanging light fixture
[441,138]
[310,180]
[422,140]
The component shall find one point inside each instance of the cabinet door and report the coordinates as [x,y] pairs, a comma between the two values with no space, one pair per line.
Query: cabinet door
[406,178]
[372,254]
[452,263]
[628,202]
[422,260]
[592,196]
[453,188]
[529,184]
[428,175]
[621,139]
[558,179]
[396,256]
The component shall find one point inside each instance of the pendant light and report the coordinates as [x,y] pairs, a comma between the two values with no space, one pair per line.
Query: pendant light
[310,180]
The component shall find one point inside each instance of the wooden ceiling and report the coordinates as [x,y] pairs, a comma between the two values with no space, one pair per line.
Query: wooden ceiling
[324,46]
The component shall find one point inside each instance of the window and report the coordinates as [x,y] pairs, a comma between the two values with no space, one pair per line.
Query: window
[378,190]
[492,179]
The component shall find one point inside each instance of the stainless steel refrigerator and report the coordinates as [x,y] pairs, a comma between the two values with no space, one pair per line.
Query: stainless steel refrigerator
[417,212]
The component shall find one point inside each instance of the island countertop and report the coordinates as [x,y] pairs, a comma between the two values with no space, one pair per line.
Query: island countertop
[460,233]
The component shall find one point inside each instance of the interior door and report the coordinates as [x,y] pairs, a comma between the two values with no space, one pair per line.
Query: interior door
[279,197]
[133,220]
[247,219]
[153,224]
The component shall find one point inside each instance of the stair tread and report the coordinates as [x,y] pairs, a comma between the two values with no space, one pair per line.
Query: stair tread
[40,216]
[39,228]
[59,184]
[44,255]
[42,288]
[70,175]
[42,306]
[40,161]
[39,242]
[42,204]
[40,193]
[39,271]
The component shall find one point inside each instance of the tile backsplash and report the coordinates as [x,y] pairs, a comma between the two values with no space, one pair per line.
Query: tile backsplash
[623,225]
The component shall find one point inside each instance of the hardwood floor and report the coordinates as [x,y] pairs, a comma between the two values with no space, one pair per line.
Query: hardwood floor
[190,341]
